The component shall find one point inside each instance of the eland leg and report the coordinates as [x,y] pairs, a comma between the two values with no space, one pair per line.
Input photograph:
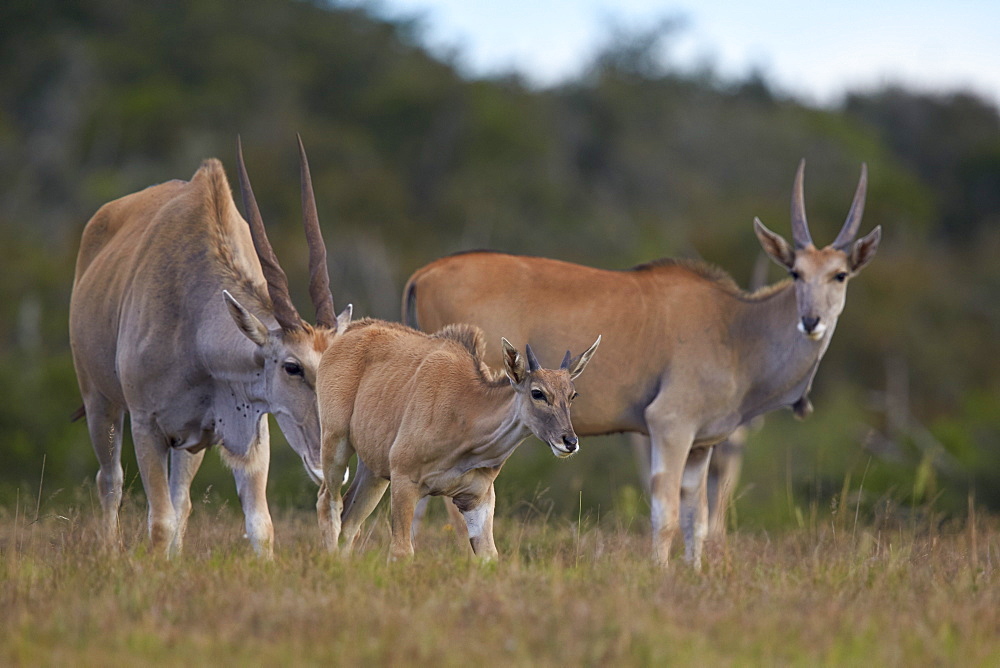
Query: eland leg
[418,516]
[250,473]
[104,422]
[363,495]
[458,523]
[671,444]
[151,452]
[723,474]
[694,504]
[403,496]
[183,467]
[479,522]
[337,452]
[455,519]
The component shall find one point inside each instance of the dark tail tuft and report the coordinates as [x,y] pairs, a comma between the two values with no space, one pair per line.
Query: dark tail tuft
[80,412]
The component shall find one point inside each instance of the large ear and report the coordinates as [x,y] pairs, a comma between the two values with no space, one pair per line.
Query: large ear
[774,245]
[579,363]
[864,249]
[344,319]
[248,323]
[513,363]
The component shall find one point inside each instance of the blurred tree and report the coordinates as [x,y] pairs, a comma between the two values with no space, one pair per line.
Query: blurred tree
[634,160]
[952,143]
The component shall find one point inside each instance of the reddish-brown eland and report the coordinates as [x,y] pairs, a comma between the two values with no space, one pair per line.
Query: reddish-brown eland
[687,356]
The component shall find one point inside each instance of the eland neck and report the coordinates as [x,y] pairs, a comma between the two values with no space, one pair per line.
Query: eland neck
[779,362]
[496,431]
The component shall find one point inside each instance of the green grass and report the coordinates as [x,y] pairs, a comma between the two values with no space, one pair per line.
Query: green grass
[563,593]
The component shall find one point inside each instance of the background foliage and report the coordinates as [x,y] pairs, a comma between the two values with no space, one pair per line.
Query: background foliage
[634,160]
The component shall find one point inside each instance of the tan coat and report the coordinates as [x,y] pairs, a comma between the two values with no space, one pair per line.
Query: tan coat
[425,413]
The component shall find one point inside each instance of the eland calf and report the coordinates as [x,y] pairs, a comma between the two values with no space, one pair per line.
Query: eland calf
[425,414]
[181,316]
[688,356]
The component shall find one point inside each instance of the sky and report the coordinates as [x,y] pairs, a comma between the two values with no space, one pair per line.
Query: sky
[814,50]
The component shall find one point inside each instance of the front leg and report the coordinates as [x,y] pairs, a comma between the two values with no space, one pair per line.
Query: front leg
[671,445]
[336,453]
[151,453]
[183,467]
[251,485]
[478,516]
[404,494]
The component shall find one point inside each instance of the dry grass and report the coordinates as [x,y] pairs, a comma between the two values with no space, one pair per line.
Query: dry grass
[562,595]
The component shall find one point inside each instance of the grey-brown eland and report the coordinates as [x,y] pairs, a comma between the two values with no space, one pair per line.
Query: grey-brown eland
[181,316]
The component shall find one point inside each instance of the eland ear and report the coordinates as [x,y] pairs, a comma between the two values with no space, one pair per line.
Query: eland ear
[578,364]
[248,323]
[513,363]
[864,249]
[344,319]
[774,245]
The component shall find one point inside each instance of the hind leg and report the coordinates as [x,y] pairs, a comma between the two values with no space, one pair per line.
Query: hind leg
[362,497]
[723,474]
[418,516]
[694,504]
[104,422]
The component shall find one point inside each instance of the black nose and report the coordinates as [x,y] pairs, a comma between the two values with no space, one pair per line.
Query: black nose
[809,324]
[571,442]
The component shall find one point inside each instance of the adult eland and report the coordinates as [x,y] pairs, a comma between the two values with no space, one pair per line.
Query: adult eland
[181,316]
[687,356]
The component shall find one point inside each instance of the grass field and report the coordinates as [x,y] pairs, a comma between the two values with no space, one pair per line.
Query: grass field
[564,593]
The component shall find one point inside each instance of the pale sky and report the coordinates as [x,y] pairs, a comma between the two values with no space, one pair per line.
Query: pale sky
[814,50]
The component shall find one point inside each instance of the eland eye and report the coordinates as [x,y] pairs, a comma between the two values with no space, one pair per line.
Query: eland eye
[538,395]
[841,277]
[795,275]
[293,369]
[574,396]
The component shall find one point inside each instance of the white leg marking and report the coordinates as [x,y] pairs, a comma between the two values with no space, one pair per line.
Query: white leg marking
[475,519]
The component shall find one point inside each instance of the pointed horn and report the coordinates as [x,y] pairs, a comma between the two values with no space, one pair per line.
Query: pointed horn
[800,228]
[277,283]
[533,364]
[853,222]
[566,360]
[319,275]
